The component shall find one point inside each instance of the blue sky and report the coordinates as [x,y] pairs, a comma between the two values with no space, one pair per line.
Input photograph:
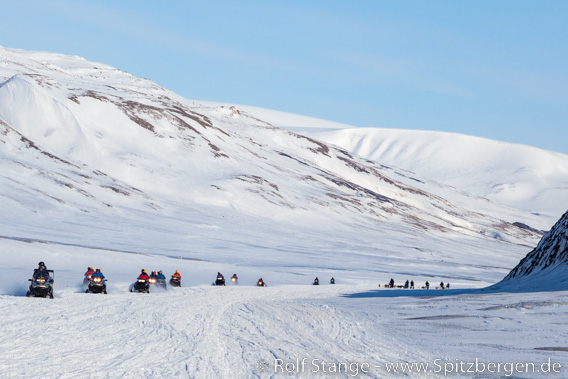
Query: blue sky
[495,69]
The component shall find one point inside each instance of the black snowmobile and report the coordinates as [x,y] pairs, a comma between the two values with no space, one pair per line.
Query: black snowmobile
[41,286]
[141,285]
[161,282]
[175,281]
[97,285]
[316,282]
[261,283]
[219,281]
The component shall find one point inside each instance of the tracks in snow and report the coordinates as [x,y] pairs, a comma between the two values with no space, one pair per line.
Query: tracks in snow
[188,332]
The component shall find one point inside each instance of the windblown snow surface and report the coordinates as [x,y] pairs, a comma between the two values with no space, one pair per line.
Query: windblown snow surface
[101,168]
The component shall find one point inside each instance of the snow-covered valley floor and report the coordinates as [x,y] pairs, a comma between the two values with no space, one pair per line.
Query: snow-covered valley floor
[284,331]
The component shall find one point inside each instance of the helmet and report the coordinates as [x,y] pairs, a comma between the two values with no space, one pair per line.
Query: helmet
[218,273]
[89,268]
[41,264]
[177,272]
[159,272]
[234,274]
[143,271]
[153,272]
[98,269]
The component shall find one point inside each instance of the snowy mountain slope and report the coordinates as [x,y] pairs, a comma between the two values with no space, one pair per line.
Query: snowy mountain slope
[546,266]
[148,149]
[519,176]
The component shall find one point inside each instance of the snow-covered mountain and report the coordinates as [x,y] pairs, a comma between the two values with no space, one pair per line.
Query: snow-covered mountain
[101,168]
[523,177]
[86,145]
[546,266]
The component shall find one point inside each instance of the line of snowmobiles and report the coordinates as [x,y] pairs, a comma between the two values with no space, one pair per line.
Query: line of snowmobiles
[157,280]
[42,282]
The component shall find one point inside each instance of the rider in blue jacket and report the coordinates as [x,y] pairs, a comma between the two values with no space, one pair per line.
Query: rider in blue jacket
[98,274]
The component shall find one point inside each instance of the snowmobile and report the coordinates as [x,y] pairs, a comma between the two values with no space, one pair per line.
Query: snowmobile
[332,281]
[175,281]
[41,286]
[219,282]
[234,279]
[97,285]
[261,283]
[87,278]
[316,282]
[161,282]
[141,285]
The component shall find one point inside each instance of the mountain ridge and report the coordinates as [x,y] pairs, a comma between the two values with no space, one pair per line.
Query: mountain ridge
[93,145]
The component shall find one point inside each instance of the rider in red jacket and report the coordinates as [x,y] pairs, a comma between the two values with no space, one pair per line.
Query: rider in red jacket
[143,275]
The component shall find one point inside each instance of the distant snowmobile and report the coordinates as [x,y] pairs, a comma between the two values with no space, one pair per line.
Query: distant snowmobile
[141,285]
[41,286]
[161,283]
[97,285]
[332,281]
[316,282]
[87,279]
[261,283]
[175,281]
[220,280]
[235,279]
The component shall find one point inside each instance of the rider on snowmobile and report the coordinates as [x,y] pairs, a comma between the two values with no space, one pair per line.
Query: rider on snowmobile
[143,275]
[90,271]
[176,275]
[220,277]
[98,274]
[41,271]
[161,275]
